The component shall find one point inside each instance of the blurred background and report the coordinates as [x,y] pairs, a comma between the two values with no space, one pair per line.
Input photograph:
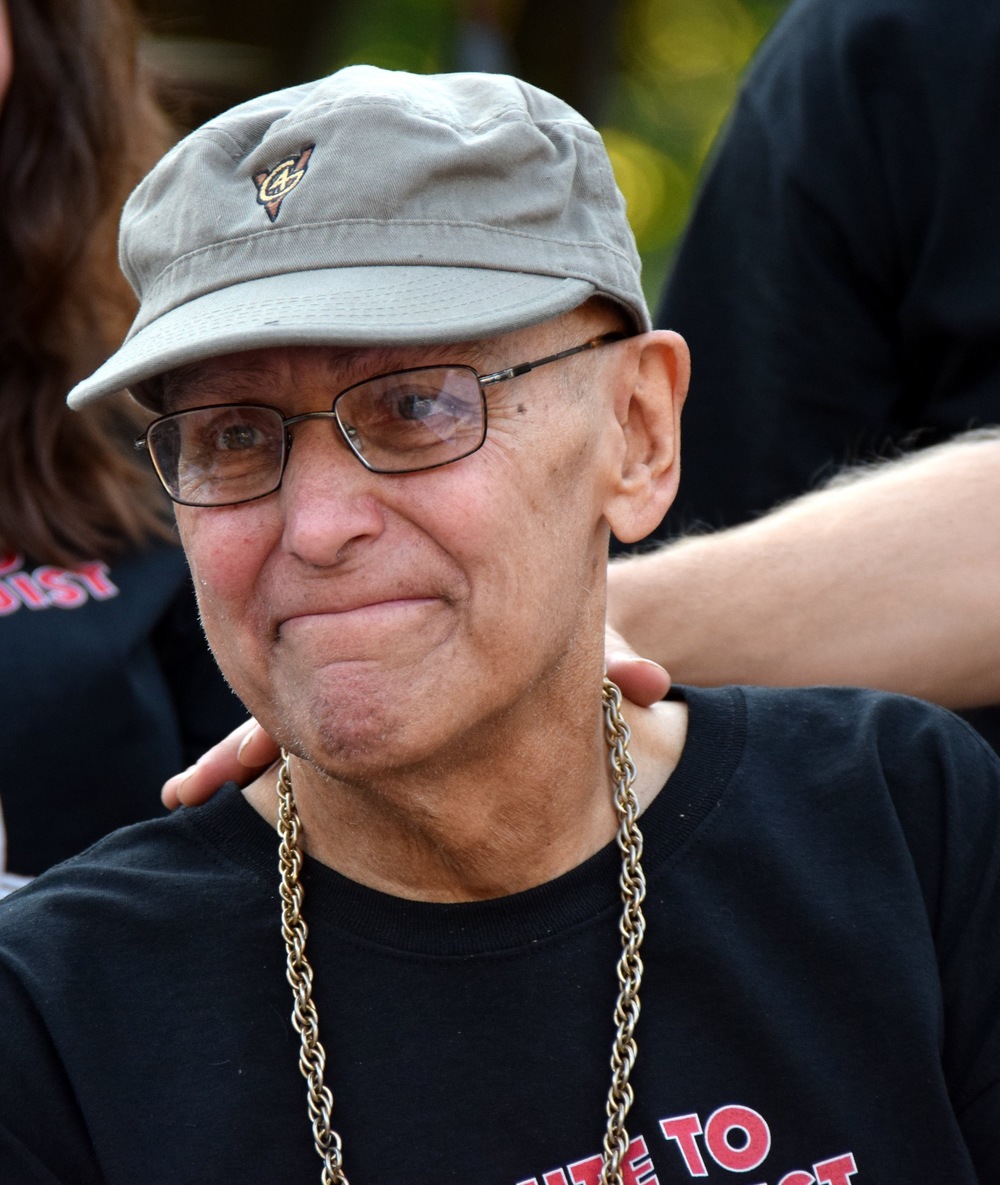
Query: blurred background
[657,77]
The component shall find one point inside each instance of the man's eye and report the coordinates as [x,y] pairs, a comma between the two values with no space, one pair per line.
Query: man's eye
[413,406]
[237,438]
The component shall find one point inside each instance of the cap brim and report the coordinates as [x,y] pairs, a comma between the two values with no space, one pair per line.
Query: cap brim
[359,306]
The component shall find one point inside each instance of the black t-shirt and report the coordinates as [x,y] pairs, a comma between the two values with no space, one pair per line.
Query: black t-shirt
[108,688]
[821,1000]
[837,282]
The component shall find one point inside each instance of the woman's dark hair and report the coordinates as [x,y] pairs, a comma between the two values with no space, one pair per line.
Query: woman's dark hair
[78,129]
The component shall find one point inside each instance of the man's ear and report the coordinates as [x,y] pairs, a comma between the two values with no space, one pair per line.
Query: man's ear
[647,407]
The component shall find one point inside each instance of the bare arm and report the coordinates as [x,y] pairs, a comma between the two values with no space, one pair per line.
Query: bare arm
[889,578]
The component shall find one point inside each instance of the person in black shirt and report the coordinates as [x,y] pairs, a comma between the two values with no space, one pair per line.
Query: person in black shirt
[107,684]
[836,281]
[837,278]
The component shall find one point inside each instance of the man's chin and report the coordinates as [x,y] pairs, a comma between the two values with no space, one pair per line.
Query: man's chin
[359,722]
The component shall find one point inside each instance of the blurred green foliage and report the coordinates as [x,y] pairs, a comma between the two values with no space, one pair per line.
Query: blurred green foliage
[681,61]
[415,35]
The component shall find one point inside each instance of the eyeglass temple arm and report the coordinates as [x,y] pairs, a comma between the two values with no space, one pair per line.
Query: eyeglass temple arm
[512,372]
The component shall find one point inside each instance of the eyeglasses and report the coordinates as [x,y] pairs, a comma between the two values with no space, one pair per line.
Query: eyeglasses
[402,422]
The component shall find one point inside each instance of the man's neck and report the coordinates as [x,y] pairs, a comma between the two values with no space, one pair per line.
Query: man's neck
[521,812]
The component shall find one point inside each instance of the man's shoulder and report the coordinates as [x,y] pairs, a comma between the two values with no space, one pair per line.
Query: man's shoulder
[850,756]
[858,716]
[831,699]
[852,770]
[900,740]
[833,702]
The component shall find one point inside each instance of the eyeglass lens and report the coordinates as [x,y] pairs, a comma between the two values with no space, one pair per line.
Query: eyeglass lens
[414,419]
[397,423]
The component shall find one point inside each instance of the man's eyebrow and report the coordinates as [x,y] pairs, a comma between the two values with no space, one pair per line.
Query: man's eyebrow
[217,384]
[371,361]
[199,381]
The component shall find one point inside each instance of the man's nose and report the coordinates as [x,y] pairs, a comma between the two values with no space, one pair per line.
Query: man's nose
[329,499]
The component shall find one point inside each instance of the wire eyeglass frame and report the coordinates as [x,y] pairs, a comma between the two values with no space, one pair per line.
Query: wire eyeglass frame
[147,441]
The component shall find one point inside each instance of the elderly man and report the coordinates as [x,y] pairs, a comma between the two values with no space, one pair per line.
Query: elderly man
[393,333]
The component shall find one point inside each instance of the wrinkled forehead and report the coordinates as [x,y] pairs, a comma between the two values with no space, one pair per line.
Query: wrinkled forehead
[250,374]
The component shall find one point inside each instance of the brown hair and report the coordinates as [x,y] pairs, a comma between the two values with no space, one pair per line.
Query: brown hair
[78,129]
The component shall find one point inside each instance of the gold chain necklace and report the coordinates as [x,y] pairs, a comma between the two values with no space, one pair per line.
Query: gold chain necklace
[632,882]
